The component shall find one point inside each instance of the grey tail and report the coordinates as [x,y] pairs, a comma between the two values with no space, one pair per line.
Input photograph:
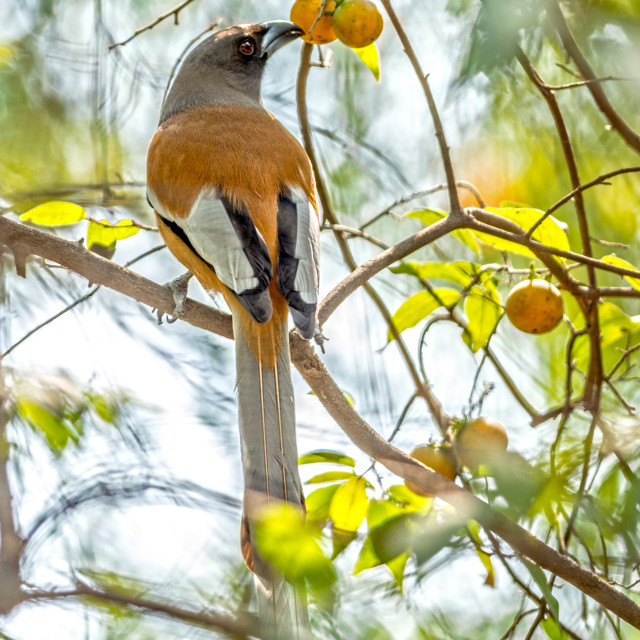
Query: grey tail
[270,469]
[282,610]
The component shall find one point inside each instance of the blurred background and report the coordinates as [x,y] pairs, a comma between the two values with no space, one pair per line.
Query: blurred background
[146,483]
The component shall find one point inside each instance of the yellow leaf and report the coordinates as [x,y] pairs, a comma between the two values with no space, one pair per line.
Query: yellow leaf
[370,58]
[55,213]
[619,262]
[349,505]
[106,234]
[549,232]
[6,55]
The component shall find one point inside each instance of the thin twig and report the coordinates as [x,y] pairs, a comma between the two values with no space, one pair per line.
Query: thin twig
[11,544]
[454,201]
[420,194]
[587,73]
[173,12]
[589,308]
[587,185]
[75,303]
[584,83]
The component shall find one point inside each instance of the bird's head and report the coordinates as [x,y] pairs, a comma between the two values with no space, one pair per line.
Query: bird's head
[227,67]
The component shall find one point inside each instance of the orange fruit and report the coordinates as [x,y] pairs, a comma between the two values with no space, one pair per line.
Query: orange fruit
[534,306]
[357,23]
[481,441]
[436,458]
[304,14]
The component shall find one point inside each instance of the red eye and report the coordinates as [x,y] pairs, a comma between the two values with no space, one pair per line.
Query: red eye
[247,47]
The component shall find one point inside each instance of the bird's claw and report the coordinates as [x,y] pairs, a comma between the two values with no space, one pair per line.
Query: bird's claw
[319,338]
[179,289]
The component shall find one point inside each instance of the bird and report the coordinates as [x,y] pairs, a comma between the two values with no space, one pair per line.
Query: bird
[235,201]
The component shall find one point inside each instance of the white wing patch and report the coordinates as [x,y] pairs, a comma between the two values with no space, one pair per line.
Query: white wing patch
[211,233]
[307,248]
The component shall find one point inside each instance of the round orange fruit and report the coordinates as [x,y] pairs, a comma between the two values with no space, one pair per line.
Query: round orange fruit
[305,13]
[534,306]
[357,23]
[481,441]
[435,458]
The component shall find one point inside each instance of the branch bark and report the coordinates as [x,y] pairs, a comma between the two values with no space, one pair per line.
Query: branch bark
[240,628]
[73,256]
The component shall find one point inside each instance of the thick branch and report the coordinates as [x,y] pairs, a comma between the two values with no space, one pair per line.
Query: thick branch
[240,628]
[24,240]
[374,445]
[11,544]
[29,240]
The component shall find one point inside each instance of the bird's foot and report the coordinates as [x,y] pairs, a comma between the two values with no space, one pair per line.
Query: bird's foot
[179,289]
[320,338]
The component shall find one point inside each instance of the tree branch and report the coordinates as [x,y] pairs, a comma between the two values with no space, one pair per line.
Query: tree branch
[11,544]
[75,257]
[173,12]
[595,88]
[593,387]
[240,628]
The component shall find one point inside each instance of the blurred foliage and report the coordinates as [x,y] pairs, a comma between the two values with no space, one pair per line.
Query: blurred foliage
[69,116]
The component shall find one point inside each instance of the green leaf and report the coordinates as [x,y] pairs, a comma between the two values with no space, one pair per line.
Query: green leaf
[484,309]
[50,425]
[367,558]
[318,502]
[553,630]
[287,542]
[55,213]
[330,476]
[7,54]
[619,262]
[381,511]
[615,324]
[459,272]
[549,232]
[326,455]
[429,216]
[474,533]
[370,59]
[609,490]
[397,567]
[394,537]
[105,234]
[106,410]
[517,481]
[349,505]
[116,582]
[409,500]
[433,539]
[420,305]
[541,580]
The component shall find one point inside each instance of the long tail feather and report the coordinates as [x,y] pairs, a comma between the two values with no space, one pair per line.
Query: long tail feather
[270,468]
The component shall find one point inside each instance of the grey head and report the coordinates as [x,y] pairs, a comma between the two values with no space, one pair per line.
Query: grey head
[227,67]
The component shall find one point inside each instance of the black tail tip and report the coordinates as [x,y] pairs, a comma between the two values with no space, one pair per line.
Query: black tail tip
[305,323]
[257,305]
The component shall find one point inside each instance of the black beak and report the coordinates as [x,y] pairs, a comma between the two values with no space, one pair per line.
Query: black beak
[276,34]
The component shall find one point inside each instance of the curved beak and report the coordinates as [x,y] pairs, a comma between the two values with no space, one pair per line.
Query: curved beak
[276,34]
